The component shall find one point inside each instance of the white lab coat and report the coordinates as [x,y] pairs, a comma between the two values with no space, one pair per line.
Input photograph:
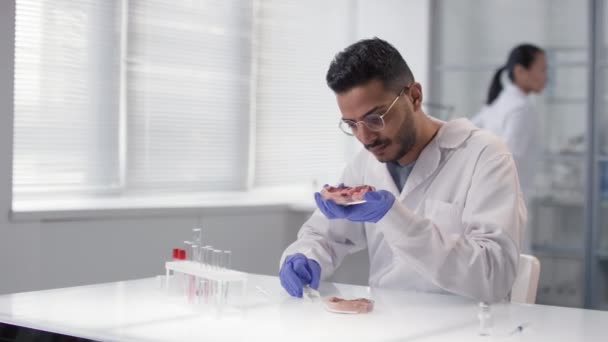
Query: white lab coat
[512,117]
[454,228]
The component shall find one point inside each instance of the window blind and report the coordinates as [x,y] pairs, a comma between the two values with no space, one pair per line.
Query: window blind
[297,135]
[133,96]
[188,82]
[65,96]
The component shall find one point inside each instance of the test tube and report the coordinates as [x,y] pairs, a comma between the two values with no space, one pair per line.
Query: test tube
[188,243]
[193,280]
[202,281]
[227,259]
[217,259]
[171,278]
[197,235]
[201,254]
[189,288]
[217,283]
[227,264]
[208,262]
[196,255]
[207,251]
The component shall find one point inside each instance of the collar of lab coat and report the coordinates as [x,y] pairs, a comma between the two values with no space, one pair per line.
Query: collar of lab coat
[453,133]
[450,136]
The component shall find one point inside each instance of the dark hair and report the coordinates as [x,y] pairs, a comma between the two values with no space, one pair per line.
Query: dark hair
[524,55]
[367,60]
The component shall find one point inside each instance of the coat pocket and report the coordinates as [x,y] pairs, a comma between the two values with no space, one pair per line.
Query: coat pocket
[446,216]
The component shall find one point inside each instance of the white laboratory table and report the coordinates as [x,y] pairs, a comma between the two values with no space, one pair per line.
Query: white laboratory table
[138,310]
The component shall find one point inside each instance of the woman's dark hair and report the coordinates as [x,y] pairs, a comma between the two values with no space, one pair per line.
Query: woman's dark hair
[524,55]
[367,60]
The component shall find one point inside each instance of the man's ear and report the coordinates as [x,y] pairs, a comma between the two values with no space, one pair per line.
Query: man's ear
[416,93]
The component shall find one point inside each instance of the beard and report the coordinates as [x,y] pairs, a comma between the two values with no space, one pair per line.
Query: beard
[405,139]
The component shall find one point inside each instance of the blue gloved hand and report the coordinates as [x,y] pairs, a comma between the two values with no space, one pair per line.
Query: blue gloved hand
[376,206]
[298,271]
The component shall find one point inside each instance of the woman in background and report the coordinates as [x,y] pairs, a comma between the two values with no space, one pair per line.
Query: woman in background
[509,113]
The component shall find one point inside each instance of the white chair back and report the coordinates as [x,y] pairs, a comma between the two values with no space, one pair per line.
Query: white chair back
[526,281]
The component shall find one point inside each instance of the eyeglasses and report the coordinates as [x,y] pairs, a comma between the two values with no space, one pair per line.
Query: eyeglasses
[374,122]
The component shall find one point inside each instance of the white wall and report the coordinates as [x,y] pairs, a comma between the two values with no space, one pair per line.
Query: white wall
[403,23]
[55,253]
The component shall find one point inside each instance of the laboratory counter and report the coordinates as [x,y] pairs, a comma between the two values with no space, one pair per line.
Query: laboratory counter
[141,310]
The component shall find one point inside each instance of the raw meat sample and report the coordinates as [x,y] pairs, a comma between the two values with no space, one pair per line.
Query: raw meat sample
[345,194]
[350,306]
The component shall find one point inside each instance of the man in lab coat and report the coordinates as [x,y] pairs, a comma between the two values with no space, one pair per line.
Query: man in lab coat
[447,213]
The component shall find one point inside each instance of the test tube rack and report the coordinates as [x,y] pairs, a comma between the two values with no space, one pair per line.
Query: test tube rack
[196,269]
[205,272]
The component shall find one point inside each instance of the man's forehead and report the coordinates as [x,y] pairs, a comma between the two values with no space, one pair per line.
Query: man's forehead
[359,100]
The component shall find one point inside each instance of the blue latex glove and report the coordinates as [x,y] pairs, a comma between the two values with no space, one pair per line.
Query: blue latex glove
[376,206]
[298,271]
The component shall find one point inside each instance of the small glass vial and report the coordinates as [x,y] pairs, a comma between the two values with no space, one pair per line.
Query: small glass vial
[485,319]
